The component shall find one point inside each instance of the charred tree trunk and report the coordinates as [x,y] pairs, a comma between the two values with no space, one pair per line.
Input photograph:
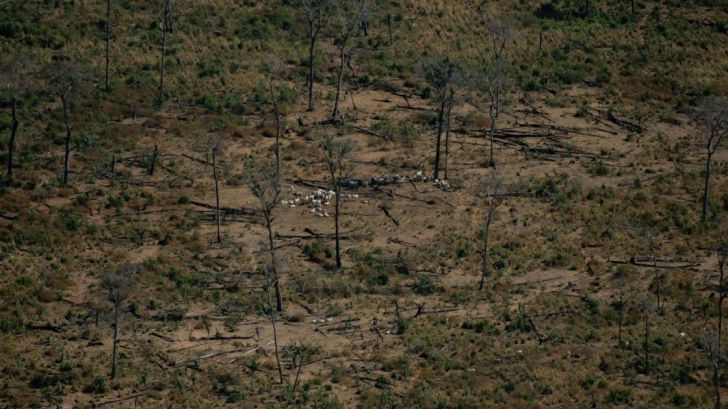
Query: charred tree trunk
[621,318]
[13,135]
[67,156]
[155,153]
[389,29]
[115,341]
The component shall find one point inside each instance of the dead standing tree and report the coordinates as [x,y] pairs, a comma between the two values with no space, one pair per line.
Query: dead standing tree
[501,31]
[712,116]
[439,72]
[315,12]
[14,76]
[265,184]
[714,339]
[66,81]
[349,14]
[166,16]
[337,150]
[494,193]
[118,286]
[274,69]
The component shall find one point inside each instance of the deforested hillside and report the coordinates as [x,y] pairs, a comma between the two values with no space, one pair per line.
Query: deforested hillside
[363,203]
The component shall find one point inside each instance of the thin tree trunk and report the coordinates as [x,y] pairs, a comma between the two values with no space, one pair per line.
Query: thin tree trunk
[274,265]
[108,39]
[716,362]
[311,57]
[485,250]
[150,172]
[493,118]
[13,135]
[342,56]
[217,195]
[389,29]
[276,111]
[115,341]
[706,189]
[450,106]
[275,334]
[634,6]
[160,96]
[67,156]
[337,207]
[440,124]
[621,318]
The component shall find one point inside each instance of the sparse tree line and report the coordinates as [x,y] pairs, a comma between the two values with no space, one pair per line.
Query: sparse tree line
[486,87]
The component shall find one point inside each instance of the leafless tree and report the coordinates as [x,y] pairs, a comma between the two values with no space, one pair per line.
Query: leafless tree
[711,116]
[14,75]
[274,69]
[494,193]
[714,339]
[272,280]
[458,93]
[264,183]
[315,13]
[108,41]
[439,72]
[118,286]
[337,150]
[349,14]
[153,160]
[502,31]
[214,147]
[66,81]
[166,16]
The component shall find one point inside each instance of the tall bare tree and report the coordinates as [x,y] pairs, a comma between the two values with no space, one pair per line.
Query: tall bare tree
[502,31]
[66,81]
[493,192]
[315,12]
[337,150]
[265,184]
[349,14]
[711,116]
[14,75]
[166,16]
[118,286]
[439,72]
[274,69]
[714,339]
